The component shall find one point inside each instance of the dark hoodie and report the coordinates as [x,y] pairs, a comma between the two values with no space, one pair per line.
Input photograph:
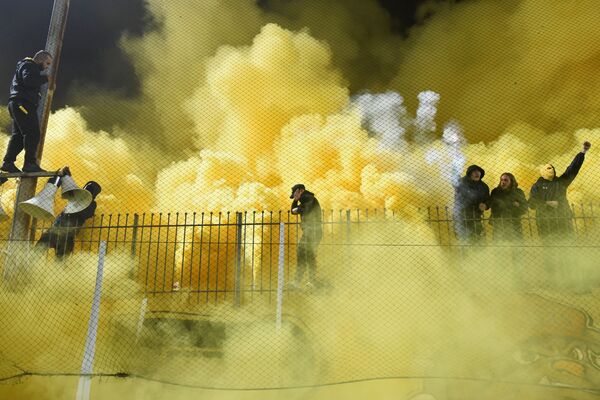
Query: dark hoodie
[468,194]
[549,219]
[27,81]
[309,210]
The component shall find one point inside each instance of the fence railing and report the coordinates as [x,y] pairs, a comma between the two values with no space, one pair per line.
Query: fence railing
[235,255]
[580,227]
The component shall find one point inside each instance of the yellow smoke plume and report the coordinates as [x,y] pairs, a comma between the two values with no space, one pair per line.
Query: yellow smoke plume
[497,63]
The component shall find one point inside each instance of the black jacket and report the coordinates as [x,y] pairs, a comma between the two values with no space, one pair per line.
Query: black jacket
[27,81]
[468,194]
[309,210]
[501,203]
[555,190]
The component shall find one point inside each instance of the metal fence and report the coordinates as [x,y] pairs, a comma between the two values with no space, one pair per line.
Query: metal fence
[582,226]
[235,255]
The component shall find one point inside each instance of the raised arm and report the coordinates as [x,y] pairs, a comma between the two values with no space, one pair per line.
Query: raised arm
[573,169]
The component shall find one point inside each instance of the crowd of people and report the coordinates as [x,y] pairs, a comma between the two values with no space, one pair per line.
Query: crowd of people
[548,197]
[507,202]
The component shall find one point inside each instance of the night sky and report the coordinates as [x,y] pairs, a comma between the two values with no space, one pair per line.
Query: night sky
[93,29]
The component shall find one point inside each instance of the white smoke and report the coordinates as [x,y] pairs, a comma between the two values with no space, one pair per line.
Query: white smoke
[424,122]
[385,116]
[454,140]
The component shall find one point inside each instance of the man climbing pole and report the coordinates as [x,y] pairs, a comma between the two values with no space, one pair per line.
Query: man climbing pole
[30,75]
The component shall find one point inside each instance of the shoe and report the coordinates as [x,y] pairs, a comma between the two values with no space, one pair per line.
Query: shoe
[10,167]
[33,168]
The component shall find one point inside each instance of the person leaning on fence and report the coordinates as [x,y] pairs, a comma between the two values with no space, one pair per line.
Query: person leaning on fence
[30,75]
[508,204]
[307,206]
[549,197]
[61,236]
[471,197]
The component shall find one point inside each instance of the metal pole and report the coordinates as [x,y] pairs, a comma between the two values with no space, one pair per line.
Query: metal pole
[134,236]
[280,278]
[238,260]
[89,352]
[26,189]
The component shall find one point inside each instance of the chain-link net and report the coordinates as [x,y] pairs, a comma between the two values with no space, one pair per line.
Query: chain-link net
[197,266]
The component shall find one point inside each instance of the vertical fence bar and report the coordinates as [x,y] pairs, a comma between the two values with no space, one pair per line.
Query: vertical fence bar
[108,231]
[157,252]
[218,257]
[448,231]
[164,278]
[192,253]
[208,261]
[133,243]
[100,229]
[149,249]
[201,252]
[117,230]
[270,255]
[183,253]
[227,254]
[175,285]
[348,226]
[289,215]
[280,276]
[252,250]
[238,259]
[333,226]
[262,248]
[244,251]
[125,229]
[438,222]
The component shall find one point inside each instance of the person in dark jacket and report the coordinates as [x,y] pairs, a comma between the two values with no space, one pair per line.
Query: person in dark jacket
[549,198]
[30,75]
[508,204]
[61,236]
[307,206]
[471,197]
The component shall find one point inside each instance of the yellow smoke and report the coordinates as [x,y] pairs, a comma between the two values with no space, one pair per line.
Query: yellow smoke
[232,114]
[497,63]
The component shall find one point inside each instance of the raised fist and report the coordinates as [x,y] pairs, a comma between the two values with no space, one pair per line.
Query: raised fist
[586,146]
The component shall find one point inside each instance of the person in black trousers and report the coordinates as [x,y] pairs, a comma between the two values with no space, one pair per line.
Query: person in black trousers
[307,206]
[471,198]
[30,76]
[508,204]
[549,198]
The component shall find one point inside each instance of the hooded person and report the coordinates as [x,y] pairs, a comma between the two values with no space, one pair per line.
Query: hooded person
[471,198]
[549,197]
[25,93]
[508,204]
[61,236]
[307,206]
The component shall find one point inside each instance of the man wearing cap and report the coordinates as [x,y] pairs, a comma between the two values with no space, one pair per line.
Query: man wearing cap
[471,198]
[30,75]
[61,236]
[549,197]
[307,206]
